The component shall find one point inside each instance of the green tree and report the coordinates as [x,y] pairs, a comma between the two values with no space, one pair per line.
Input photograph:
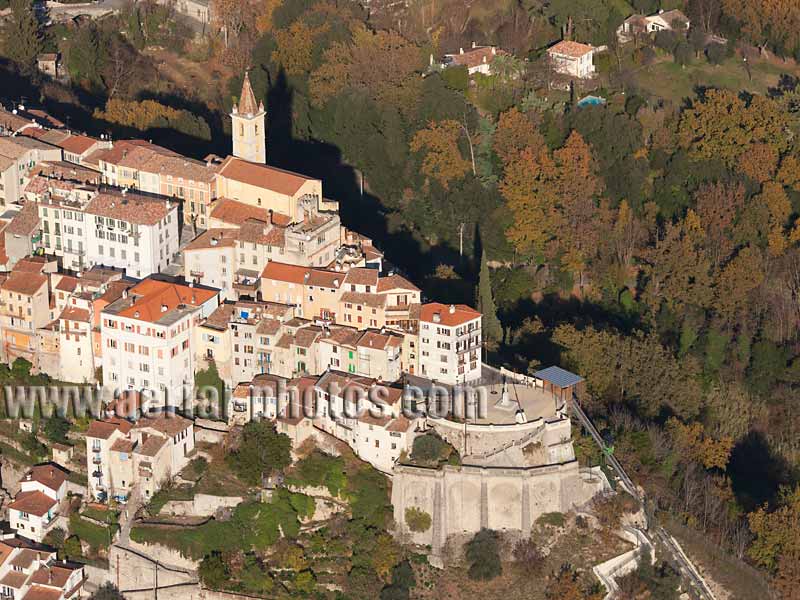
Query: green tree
[107,591]
[23,36]
[483,555]
[456,78]
[261,451]
[492,329]
[56,429]
[214,572]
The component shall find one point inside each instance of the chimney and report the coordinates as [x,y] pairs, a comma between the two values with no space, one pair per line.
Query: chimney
[164,308]
[213,241]
[494,50]
[461,51]
[270,216]
[452,309]
[473,45]
[191,284]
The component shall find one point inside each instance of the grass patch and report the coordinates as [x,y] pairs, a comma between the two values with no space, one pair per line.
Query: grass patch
[97,536]
[165,494]
[104,516]
[553,519]
[254,525]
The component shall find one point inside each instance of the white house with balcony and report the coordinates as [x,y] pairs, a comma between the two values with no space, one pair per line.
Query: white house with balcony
[36,505]
[449,343]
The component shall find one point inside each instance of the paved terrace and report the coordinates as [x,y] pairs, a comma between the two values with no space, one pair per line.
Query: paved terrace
[501,409]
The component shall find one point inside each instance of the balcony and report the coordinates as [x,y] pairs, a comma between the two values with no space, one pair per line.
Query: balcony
[199,274]
[97,460]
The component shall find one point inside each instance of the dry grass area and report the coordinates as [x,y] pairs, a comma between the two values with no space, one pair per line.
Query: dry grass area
[581,547]
[192,76]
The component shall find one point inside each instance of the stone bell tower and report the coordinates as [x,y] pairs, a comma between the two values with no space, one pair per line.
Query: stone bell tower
[249,134]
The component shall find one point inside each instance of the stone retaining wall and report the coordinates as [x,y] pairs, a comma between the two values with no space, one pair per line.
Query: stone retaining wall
[202,505]
[462,500]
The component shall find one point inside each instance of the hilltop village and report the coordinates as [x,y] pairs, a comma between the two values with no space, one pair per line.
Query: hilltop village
[153,278]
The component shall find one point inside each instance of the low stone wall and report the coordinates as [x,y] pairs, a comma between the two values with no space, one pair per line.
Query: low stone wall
[477,439]
[213,432]
[462,500]
[184,592]
[619,566]
[202,505]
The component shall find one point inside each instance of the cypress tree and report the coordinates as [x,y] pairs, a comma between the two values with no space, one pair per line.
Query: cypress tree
[492,329]
[22,35]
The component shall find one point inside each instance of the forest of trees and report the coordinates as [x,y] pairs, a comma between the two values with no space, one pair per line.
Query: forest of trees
[651,245]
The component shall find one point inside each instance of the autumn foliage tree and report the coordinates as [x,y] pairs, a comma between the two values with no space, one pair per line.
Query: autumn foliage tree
[442,160]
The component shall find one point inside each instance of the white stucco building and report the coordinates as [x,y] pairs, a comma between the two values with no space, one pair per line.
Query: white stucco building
[37,503]
[147,338]
[572,58]
[449,343]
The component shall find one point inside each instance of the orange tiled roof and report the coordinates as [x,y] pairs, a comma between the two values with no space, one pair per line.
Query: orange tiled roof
[393,282]
[49,475]
[236,213]
[104,429]
[150,295]
[170,425]
[213,238]
[285,272]
[263,176]
[362,276]
[461,313]
[570,48]
[24,283]
[35,503]
[40,592]
[77,144]
[25,221]
[133,208]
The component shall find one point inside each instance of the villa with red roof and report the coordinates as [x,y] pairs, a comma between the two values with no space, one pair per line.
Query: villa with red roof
[36,505]
[572,58]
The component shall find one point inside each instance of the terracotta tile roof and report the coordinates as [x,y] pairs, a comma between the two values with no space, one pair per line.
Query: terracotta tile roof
[130,207]
[51,136]
[325,278]
[285,272]
[393,282]
[268,327]
[73,313]
[371,300]
[123,445]
[5,552]
[14,579]
[30,264]
[26,220]
[169,424]
[449,315]
[54,576]
[260,232]
[179,167]
[236,213]
[213,238]
[362,276]
[377,340]
[49,475]
[570,48]
[378,421]
[151,445]
[25,558]
[475,57]
[40,592]
[342,336]
[122,148]
[148,298]
[11,121]
[306,336]
[263,176]
[35,503]
[26,284]
[16,147]
[104,429]
[400,424]
[67,284]
[77,144]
